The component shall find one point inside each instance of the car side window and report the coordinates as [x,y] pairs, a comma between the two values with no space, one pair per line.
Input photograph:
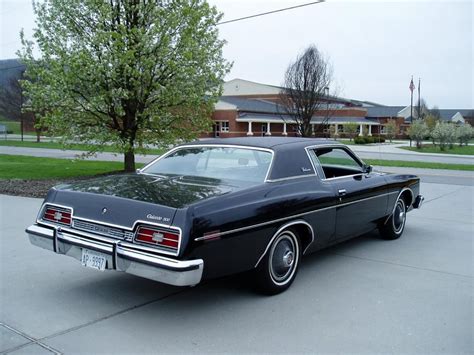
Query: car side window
[337,162]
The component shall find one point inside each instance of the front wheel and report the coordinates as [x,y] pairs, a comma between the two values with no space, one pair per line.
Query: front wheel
[394,226]
[277,270]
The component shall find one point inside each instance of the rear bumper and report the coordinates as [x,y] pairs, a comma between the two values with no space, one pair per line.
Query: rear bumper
[418,201]
[121,256]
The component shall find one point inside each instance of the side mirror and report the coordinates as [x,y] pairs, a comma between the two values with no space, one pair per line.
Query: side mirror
[138,171]
[367,169]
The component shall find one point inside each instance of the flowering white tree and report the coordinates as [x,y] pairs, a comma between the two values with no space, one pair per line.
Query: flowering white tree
[124,72]
[418,131]
[444,134]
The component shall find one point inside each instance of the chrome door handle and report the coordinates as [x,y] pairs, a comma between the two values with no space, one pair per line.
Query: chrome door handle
[342,192]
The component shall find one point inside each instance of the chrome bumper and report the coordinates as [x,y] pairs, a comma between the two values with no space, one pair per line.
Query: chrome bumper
[121,256]
[418,201]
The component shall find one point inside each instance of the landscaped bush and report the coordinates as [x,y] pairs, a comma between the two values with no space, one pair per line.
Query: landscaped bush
[368,139]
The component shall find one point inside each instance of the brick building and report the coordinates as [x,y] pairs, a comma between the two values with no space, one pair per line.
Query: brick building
[247,108]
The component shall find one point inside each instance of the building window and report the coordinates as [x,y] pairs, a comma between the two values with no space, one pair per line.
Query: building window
[223,126]
[383,129]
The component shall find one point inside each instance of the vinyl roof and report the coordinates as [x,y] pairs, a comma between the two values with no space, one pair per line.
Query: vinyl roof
[265,142]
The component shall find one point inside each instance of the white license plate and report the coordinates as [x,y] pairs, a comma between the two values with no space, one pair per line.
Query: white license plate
[93,259]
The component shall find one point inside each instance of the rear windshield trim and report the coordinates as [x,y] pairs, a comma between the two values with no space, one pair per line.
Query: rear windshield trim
[267,175]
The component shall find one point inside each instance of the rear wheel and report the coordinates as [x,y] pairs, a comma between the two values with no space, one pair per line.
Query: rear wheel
[277,270]
[394,226]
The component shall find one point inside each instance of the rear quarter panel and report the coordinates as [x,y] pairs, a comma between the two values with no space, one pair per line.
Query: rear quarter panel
[264,209]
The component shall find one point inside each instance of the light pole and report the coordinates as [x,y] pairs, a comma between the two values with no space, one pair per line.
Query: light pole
[326,93]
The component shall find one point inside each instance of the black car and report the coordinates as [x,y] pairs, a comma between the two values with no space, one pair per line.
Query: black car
[218,207]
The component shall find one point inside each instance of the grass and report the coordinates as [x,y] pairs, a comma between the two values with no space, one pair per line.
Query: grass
[56,145]
[31,168]
[15,127]
[430,148]
[417,164]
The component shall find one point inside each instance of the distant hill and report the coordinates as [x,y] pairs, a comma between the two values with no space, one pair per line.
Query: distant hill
[10,68]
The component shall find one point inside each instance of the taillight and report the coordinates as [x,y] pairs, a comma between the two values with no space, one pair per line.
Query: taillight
[57,215]
[158,236]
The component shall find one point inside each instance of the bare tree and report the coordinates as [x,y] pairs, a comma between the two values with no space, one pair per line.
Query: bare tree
[305,89]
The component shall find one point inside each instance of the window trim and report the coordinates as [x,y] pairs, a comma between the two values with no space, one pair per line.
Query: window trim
[322,176]
[269,170]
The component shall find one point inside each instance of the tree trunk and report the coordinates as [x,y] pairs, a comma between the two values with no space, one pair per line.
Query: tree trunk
[129,161]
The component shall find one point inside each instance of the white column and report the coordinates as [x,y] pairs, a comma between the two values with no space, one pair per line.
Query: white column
[250,133]
[285,133]
[336,129]
[268,133]
[370,129]
[312,129]
[361,130]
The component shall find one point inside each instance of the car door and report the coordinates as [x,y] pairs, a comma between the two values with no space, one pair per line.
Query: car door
[360,197]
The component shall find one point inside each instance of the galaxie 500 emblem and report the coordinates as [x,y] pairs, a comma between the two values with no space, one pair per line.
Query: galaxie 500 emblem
[157,218]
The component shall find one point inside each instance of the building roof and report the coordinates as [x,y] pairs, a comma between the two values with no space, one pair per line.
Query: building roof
[252,105]
[282,118]
[448,114]
[384,111]
[264,142]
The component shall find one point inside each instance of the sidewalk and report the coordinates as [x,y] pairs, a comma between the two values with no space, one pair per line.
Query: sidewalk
[393,152]
[70,154]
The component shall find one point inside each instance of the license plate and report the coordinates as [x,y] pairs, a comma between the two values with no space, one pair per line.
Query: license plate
[93,259]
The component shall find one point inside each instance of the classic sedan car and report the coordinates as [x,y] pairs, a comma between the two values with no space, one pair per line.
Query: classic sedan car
[218,207]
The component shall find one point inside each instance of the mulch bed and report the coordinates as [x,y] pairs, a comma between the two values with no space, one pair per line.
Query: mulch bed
[39,188]
[29,188]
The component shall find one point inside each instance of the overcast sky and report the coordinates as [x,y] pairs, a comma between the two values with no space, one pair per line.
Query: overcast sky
[374,46]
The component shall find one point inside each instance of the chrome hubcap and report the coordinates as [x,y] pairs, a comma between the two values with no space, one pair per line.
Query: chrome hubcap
[288,258]
[283,258]
[399,217]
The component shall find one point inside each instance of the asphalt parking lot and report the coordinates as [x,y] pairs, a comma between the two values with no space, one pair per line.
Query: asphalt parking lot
[412,295]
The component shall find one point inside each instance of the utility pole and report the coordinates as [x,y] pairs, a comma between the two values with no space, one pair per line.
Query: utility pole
[419,98]
[21,113]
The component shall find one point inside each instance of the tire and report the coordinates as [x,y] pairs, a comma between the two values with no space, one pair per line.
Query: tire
[394,226]
[278,268]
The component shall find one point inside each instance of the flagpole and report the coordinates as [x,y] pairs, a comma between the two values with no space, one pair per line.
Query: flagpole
[411,104]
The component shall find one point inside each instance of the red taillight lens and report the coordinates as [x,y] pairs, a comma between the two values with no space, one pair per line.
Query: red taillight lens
[57,215]
[158,237]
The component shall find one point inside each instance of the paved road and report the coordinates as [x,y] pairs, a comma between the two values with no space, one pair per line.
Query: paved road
[69,154]
[413,295]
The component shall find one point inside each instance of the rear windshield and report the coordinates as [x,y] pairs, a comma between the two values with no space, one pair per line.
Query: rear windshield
[224,163]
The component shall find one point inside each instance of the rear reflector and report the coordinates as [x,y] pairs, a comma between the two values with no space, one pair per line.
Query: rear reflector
[157,236]
[57,215]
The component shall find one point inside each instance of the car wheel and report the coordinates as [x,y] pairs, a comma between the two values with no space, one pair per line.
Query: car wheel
[394,226]
[277,270]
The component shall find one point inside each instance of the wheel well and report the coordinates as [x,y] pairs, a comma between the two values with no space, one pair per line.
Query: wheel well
[407,197]
[305,233]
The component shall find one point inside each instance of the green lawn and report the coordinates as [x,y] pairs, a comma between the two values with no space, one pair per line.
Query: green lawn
[429,148]
[25,167]
[15,127]
[416,164]
[56,145]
